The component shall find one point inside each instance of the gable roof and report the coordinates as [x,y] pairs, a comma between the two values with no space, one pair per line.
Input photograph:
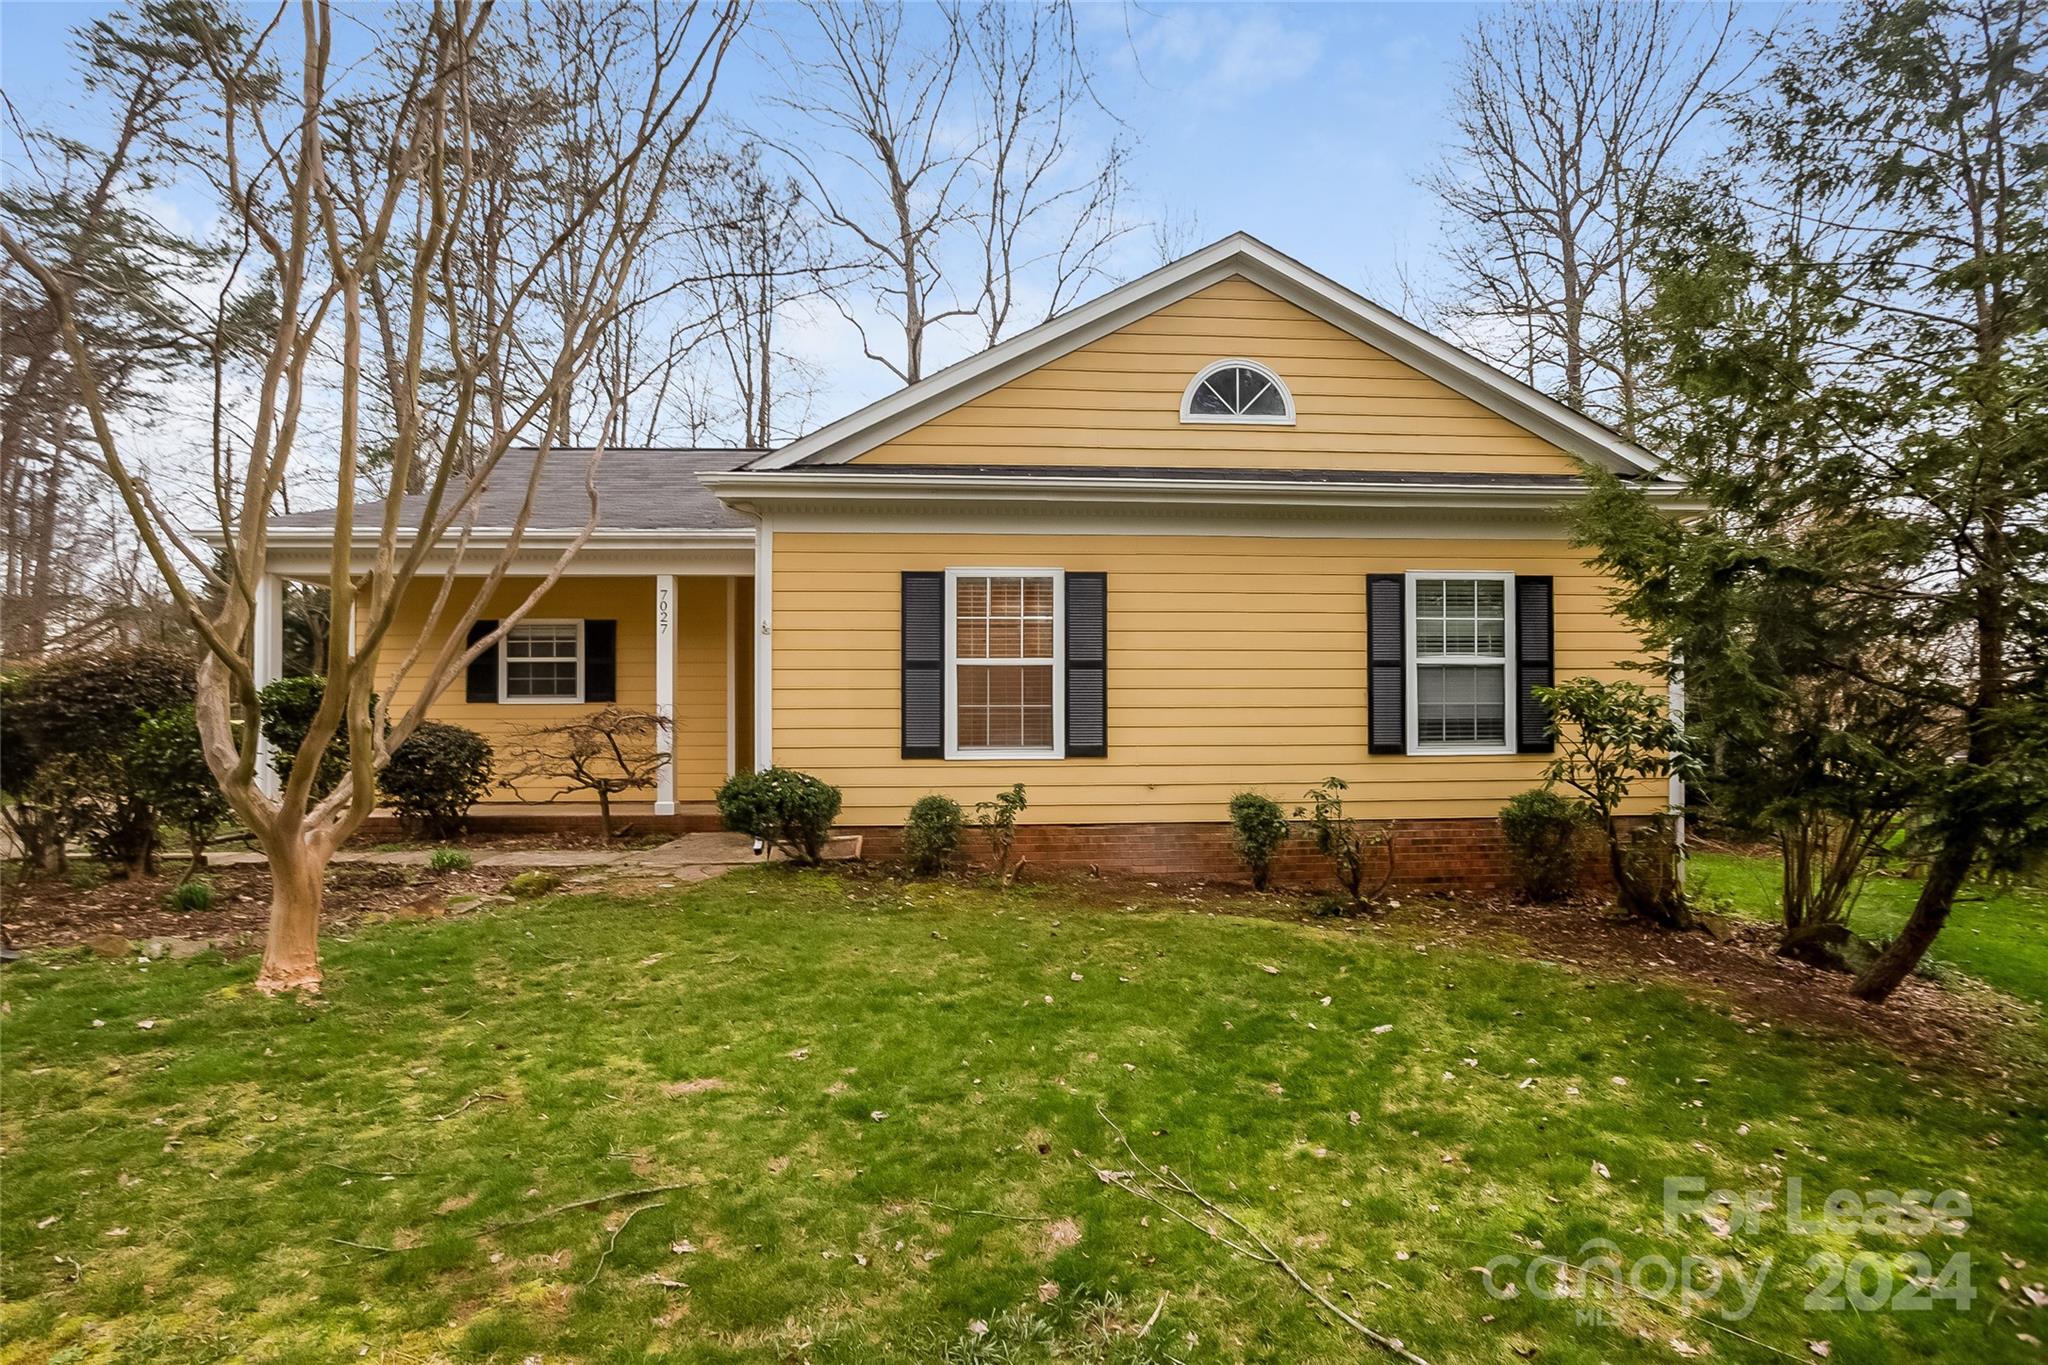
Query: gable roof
[1239,254]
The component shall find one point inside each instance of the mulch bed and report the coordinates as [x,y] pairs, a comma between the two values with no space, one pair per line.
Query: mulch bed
[1957,1023]
[51,912]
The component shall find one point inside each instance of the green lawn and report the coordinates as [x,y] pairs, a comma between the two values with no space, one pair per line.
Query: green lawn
[1997,936]
[826,1076]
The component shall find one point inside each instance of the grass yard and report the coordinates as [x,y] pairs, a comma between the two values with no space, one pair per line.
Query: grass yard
[856,1106]
[1998,936]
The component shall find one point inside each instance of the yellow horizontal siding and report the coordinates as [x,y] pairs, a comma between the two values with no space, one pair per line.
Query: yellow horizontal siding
[1116,401]
[703,633]
[1234,662]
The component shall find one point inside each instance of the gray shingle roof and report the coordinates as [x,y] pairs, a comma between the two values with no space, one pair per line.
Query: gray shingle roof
[637,490]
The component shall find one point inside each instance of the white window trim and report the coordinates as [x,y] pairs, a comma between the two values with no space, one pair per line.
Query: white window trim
[1059,664]
[1414,660]
[1192,418]
[505,658]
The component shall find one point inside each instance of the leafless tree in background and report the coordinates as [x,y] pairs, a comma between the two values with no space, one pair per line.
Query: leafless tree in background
[1569,115]
[468,219]
[947,164]
[754,245]
[1041,227]
[890,177]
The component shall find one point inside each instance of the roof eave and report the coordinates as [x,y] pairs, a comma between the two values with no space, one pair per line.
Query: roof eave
[753,490]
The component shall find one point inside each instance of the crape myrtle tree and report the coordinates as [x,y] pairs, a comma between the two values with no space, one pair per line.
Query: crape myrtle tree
[1852,325]
[444,213]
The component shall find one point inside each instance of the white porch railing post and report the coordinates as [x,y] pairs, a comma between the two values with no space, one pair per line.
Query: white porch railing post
[266,659]
[665,689]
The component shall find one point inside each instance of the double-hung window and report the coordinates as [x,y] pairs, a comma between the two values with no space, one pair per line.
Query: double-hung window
[542,661]
[1459,676]
[1005,653]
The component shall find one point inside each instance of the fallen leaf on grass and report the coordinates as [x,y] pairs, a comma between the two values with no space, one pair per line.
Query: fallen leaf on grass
[1820,1348]
[1600,1169]
[1382,1028]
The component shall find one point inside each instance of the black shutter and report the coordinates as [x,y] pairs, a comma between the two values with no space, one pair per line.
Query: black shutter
[483,669]
[1386,644]
[1087,665]
[1535,652]
[924,665]
[600,661]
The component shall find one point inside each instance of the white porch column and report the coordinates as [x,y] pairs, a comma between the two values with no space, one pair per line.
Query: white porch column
[266,658]
[764,645]
[665,689]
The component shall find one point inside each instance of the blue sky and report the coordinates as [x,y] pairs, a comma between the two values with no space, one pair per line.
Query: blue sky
[1303,124]
[1306,125]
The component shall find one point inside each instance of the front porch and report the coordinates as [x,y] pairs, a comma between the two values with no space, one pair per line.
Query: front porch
[675,642]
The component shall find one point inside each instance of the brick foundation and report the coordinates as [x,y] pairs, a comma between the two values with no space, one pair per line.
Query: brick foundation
[1429,855]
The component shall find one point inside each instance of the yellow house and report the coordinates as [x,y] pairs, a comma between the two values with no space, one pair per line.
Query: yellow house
[1230,526]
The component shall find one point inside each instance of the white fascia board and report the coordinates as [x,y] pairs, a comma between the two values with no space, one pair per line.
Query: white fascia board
[483,538]
[800,488]
[307,551]
[1238,254]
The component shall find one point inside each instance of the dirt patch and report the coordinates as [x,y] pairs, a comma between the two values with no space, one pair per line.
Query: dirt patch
[675,1090]
[51,912]
[1059,1234]
[1961,1024]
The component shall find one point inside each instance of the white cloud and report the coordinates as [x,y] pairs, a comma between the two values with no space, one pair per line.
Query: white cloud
[1222,54]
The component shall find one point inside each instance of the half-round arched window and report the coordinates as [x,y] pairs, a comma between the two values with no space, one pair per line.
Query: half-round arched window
[1237,391]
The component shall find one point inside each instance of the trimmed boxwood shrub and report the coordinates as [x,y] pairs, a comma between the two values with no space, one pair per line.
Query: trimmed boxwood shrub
[1542,830]
[433,778]
[289,705]
[784,808]
[1257,829]
[931,834]
[168,764]
[76,716]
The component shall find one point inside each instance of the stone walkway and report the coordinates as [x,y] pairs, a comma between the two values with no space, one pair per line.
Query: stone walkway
[713,851]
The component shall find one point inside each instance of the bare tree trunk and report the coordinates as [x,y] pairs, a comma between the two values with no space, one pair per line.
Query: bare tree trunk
[291,949]
[1945,877]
